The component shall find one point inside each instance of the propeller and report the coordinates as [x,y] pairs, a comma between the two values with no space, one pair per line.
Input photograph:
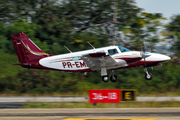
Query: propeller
[145,54]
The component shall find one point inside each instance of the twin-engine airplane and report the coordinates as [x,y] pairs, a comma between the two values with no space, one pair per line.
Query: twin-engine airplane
[100,59]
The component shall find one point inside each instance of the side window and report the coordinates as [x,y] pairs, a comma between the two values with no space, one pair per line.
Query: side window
[123,49]
[76,58]
[112,51]
[101,51]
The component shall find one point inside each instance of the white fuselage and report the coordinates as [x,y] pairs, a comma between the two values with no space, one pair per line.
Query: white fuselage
[72,61]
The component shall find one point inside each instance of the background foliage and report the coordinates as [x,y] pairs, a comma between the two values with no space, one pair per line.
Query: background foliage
[52,24]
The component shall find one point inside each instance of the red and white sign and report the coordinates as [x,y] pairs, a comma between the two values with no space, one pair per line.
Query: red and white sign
[104,96]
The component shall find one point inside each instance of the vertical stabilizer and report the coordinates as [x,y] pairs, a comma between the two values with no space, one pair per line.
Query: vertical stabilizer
[25,49]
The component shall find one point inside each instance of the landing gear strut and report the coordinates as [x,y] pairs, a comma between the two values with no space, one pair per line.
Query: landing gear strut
[113,77]
[148,75]
[105,77]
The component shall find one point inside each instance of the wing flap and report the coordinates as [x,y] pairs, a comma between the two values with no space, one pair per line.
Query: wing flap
[96,61]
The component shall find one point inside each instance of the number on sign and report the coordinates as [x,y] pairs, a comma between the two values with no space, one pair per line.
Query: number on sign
[112,95]
[97,96]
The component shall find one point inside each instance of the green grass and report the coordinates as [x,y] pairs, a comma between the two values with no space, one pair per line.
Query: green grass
[104,105]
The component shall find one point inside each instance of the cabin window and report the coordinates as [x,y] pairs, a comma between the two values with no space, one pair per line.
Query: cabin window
[76,58]
[101,51]
[123,49]
[85,54]
[112,51]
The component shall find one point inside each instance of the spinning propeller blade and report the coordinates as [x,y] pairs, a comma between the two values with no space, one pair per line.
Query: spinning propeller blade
[145,54]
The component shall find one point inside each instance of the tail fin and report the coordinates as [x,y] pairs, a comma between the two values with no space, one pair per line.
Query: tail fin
[25,49]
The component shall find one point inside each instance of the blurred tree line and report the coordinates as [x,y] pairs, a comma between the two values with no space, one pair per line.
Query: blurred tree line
[51,24]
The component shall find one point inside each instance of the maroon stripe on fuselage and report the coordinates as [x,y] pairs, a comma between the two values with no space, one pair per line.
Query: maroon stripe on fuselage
[148,63]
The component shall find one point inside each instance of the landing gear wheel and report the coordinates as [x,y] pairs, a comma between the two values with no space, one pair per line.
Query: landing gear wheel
[105,78]
[148,76]
[113,78]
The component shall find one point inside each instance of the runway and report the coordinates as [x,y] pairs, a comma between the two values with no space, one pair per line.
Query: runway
[11,108]
[91,114]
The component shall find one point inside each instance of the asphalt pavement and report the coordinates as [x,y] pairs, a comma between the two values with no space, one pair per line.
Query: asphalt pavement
[92,114]
[11,108]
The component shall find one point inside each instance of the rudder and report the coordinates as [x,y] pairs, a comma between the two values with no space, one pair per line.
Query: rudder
[25,49]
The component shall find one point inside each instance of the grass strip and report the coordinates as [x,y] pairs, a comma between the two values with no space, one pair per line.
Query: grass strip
[103,105]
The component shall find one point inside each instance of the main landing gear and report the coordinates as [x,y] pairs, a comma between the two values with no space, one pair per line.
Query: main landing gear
[112,78]
[105,78]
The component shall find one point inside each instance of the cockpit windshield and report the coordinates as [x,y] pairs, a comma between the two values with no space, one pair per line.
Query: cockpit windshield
[123,49]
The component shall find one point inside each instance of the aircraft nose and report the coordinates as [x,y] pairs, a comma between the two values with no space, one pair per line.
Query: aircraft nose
[168,58]
[164,58]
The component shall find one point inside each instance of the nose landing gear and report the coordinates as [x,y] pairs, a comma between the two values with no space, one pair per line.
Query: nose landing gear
[148,75]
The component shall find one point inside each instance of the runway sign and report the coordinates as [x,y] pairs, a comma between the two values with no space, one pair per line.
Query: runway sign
[128,95]
[112,95]
[109,119]
[104,96]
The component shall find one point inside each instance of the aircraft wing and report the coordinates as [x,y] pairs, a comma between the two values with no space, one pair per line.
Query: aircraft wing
[96,61]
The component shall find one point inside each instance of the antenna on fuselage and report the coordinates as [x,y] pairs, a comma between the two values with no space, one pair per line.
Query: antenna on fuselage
[67,49]
[91,45]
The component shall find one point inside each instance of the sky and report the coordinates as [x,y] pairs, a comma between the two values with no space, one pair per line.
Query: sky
[166,7]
